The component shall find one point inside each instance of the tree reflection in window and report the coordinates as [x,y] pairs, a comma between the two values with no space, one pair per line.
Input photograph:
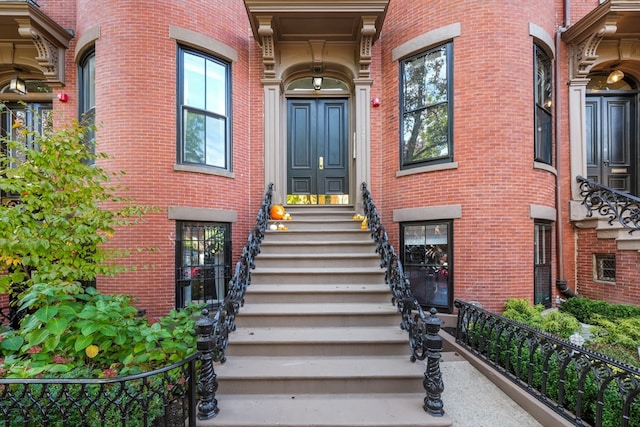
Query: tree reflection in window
[426,107]
[205,110]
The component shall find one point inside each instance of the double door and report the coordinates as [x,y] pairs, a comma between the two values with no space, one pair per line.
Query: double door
[317,151]
[612,141]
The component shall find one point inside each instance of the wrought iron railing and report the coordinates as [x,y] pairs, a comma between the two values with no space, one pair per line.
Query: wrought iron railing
[423,329]
[164,397]
[582,386]
[611,203]
[213,333]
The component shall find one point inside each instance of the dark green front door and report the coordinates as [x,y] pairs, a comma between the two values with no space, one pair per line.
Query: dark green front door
[317,157]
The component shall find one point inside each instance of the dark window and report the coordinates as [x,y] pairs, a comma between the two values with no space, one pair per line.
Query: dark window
[542,264]
[204,110]
[427,258]
[19,124]
[426,107]
[605,268]
[203,254]
[87,96]
[543,103]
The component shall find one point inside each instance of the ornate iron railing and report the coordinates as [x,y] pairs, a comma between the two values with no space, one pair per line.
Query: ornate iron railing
[422,328]
[213,333]
[164,397]
[611,203]
[582,386]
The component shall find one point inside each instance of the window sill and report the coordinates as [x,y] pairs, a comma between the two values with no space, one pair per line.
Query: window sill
[203,170]
[546,167]
[430,168]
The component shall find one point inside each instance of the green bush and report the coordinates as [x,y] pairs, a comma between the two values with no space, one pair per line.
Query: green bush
[585,309]
[553,322]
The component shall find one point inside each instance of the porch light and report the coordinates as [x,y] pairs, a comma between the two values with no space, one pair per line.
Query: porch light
[18,86]
[615,76]
[317,83]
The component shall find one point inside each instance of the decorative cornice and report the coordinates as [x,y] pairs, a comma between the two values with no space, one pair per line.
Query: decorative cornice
[49,39]
[265,32]
[367,34]
[585,36]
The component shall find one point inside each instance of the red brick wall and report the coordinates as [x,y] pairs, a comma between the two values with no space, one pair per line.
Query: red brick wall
[136,115]
[625,290]
[493,141]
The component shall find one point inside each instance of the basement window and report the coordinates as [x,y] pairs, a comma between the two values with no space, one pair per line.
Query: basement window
[604,268]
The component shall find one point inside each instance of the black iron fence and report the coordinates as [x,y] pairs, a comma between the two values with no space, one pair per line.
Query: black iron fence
[584,387]
[422,328]
[611,203]
[161,398]
[213,332]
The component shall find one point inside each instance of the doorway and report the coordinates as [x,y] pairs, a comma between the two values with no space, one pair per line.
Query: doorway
[317,151]
[612,143]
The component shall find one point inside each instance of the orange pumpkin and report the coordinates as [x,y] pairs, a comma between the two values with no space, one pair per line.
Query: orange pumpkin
[277,212]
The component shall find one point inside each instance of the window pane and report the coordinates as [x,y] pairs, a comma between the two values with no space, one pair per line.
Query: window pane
[194,81]
[426,134]
[425,107]
[194,132]
[216,88]
[543,102]
[202,255]
[425,80]
[426,259]
[543,79]
[216,153]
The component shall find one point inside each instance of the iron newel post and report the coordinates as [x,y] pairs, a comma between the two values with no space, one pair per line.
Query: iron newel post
[433,377]
[207,381]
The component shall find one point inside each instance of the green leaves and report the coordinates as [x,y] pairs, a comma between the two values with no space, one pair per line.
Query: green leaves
[56,232]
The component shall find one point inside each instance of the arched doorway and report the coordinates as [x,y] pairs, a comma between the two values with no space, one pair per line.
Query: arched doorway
[612,124]
[317,141]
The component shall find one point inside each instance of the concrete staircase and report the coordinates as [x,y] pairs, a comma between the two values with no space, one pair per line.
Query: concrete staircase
[318,341]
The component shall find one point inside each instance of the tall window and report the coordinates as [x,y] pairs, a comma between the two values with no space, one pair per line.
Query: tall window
[203,258]
[87,95]
[204,103]
[543,102]
[426,107]
[542,264]
[427,260]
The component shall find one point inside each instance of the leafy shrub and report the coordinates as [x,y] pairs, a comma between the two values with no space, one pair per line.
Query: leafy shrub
[100,332]
[522,311]
[585,309]
[553,322]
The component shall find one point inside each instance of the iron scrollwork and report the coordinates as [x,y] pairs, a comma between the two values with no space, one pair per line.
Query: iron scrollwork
[577,383]
[611,203]
[423,329]
[213,333]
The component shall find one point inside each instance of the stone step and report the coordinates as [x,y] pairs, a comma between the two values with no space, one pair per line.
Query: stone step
[326,276]
[317,247]
[309,235]
[329,410]
[317,315]
[318,293]
[337,259]
[318,374]
[316,341]
[318,224]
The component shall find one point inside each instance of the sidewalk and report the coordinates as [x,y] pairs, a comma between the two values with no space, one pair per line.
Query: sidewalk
[472,400]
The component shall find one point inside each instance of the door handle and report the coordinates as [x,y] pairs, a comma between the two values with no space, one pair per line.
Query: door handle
[321,163]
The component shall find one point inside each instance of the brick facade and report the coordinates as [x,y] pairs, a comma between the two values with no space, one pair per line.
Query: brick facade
[495,181]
